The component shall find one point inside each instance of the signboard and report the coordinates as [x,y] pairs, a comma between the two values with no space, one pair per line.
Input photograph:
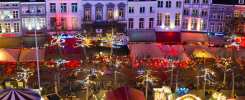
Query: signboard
[8,35]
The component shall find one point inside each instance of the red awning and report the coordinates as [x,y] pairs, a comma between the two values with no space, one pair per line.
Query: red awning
[168,37]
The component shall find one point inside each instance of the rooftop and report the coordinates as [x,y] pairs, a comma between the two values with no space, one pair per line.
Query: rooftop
[228,2]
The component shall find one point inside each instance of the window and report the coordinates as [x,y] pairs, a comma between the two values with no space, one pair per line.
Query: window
[168,4]
[205,1]
[193,24]
[98,13]
[130,23]
[16,27]
[7,27]
[236,14]
[178,4]
[53,22]
[63,23]
[151,9]
[186,12]
[159,19]
[74,7]
[141,23]
[204,25]
[151,22]
[40,9]
[187,1]
[195,12]
[167,20]
[110,14]
[15,14]
[142,9]
[87,14]
[1,28]
[121,13]
[131,9]
[63,7]
[204,13]
[74,23]
[52,7]
[241,1]
[159,4]
[185,24]
[177,19]
[195,1]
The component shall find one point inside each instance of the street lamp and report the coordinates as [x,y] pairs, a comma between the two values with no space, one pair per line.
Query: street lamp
[37,50]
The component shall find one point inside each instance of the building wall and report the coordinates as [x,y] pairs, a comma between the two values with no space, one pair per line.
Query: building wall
[33,16]
[10,19]
[67,20]
[219,16]
[146,15]
[104,5]
[239,11]
[163,10]
[195,20]
[102,15]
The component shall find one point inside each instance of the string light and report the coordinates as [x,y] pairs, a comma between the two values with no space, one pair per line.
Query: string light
[24,74]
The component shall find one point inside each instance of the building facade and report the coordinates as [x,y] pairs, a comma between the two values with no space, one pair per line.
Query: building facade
[227,16]
[10,20]
[239,14]
[196,15]
[141,14]
[103,16]
[63,16]
[169,15]
[33,17]
[220,15]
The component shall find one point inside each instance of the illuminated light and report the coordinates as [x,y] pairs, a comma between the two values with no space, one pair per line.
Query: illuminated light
[3,31]
[162,26]
[202,54]
[189,24]
[188,97]
[172,26]
[218,96]
[38,28]
[182,91]
[116,14]
[12,29]
[199,23]
[29,27]
[163,93]
[2,56]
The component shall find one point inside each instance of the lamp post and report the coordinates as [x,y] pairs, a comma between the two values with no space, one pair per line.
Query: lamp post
[37,52]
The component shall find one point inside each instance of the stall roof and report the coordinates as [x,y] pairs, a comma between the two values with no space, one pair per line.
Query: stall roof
[142,35]
[29,55]
[157,50]
[194,37]
[9,55]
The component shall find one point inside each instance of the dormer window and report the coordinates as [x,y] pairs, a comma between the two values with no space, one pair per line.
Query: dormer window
[241,2]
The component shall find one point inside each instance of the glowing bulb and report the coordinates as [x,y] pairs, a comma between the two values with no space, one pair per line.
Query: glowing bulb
[172,26]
